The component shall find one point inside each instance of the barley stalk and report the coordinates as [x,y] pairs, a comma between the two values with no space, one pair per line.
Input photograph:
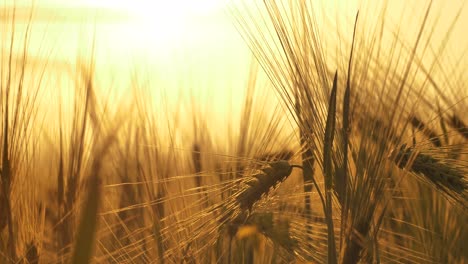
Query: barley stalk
[328,170]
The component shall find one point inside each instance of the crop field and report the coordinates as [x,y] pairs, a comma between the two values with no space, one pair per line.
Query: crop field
[337,134]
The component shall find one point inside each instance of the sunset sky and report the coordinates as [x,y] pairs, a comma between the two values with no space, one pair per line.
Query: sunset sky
[180,45]
[175,46]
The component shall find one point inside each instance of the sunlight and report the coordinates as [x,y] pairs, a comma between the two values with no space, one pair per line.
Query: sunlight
[157,22]
[154,18]
[161,9]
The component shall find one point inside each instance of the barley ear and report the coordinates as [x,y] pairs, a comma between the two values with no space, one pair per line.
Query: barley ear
[447,178]
[262,183]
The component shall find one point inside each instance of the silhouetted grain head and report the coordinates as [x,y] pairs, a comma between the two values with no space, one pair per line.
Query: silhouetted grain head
[262,182]
[448,178]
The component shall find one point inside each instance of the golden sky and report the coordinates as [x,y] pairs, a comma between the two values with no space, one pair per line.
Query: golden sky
[185,44]
[174,44]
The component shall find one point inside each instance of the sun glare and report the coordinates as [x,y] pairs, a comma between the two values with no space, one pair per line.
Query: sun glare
[159,21]
[172,10]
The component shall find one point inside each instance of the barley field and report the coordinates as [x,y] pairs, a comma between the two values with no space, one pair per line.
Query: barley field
[263,132]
